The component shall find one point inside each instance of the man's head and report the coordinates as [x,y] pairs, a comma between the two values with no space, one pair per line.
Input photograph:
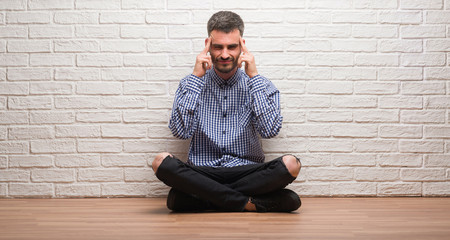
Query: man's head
[225,30]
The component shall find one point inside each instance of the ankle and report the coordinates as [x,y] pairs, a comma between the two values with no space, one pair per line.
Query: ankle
[250,207]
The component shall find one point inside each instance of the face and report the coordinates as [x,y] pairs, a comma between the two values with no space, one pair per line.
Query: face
[225,50]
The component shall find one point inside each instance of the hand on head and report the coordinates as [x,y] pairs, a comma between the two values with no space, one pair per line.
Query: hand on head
[203,61]
[247,58]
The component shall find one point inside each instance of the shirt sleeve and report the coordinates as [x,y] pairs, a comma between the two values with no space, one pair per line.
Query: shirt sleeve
[266,106]
[184,118]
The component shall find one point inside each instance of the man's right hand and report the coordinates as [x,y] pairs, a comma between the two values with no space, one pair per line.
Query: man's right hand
[203,61]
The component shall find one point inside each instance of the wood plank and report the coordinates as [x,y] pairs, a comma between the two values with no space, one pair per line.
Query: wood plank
[148,218]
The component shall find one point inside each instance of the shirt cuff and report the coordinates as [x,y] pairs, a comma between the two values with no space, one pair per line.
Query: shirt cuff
[195,84]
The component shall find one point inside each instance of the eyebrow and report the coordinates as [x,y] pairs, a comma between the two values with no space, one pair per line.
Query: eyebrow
[220,45]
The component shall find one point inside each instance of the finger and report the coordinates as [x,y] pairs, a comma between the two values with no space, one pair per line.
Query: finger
[244,48]
[207,46]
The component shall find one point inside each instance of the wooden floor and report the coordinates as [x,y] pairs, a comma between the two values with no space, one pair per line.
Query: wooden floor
[147,218]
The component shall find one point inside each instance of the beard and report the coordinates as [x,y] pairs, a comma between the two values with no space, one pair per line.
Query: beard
[225,68]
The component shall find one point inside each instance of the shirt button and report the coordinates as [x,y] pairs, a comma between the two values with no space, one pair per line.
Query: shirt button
[224,115]
[225,97]
[224,131]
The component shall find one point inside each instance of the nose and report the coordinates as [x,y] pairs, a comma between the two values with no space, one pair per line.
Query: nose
[225,54]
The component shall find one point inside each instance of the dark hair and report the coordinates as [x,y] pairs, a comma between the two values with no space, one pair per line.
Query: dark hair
[225,21]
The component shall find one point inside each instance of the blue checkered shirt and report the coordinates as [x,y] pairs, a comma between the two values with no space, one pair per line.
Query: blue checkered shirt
[224,118]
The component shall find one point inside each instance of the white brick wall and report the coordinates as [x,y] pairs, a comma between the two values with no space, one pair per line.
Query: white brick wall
[86,89]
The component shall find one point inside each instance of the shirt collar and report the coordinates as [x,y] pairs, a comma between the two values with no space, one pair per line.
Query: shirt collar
[221,82]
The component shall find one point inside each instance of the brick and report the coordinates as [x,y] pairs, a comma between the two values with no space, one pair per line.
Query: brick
[51,88]
[263,45]
[13,5]
[374,31]
[76,17]
[144,88]
[13,88]
[13,32]
[83,102]
[137,4]
[95,31]
[51,117]
[400,102]
[41,161]
[438,102]
[422,116]
[50,31]
[354,160]
[436,189]
[421,4]
[77,161]
[151,116]
[330,116]
[377,88]
[423,59]
[169,46]
[376,174]
[34,46]
[423,88]
[352,130]
[375,145]
[77,131]
[100,175]
[308,17]
[99,116]
[99,60]
[128,189]
[423,174]
[341,87]
[400,17]
[293,116]
[139,175]
[2,103]
[307,45]
[122,74]
[123,102]
[3,162]
[306,102]
[3,189]
[394,131]
[29,74]
[277,59]
[436,132]
[329,31]
[128,160]
[336,59]
[76,46]
[78,190]
[376,116]
[311,189]
[51,59]
[13,118]
[234,4]
[403,74]
[148,60]
[437,45]
[330,4]
[399,189]
[422,31]
[290,86]
[97,4]
[354,17]
[309,160]
[418,146]
[183,32]
[96,146]
[146,32]
[53,175]
[330,146]
[30,190]
[369,4]
[306,73]
[354,45]
[2,45]
[124,131]
[14,176]
[159,131]
[53,146]
[50,4]
[135,17]
[353,102]
[353,189]
[76,74]
[159,17]
[99,88]
[376,60]
[304,130]
[28,17]
[28,103]
[3,133]
[330,174]
[354,73]
[400,160]
[409,46]
[13,60]
[437,160]
[19,133]
[437,17]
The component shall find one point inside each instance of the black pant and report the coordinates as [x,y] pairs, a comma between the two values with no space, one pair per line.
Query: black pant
[226,188]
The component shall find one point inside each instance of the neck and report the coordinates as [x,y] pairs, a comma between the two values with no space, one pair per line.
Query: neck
[226,76]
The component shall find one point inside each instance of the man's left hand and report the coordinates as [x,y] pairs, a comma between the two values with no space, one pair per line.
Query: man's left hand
[249,59]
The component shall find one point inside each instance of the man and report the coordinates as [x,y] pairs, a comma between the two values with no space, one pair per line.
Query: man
[222,109]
